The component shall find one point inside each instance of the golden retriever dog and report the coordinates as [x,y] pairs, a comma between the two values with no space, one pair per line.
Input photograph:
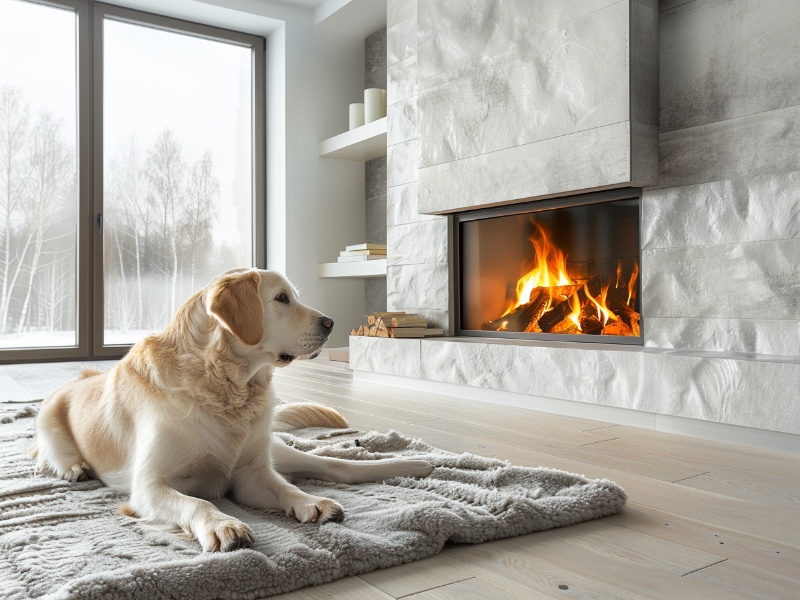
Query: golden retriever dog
[188,415]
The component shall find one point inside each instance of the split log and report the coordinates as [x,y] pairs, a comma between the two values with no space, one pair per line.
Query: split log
[362,331]
[408,321]
[353,332]
[567,326]
[373,331]
[590,324]
[522,318]
[560,312]
[371,320]
[382,330]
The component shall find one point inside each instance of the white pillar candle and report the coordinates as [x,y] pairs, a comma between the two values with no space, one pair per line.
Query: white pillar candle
[356,115]
[373,104]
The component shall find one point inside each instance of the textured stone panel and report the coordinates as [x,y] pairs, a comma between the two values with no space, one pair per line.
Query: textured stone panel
[401,41]
[402,162]
[401,205]
[607,377]
[721,60]
[723,212]
[375,51]
[454,32]
[385,355]
[778,338]
[401,80]
[402,121]
[597,157]
[645,63]
[747,146]
[399,10]
[726,389]
[757,280]
[644,154]
[424,286]
[375,174]
[571,78]
[375,79]
[374,295]
[376,220]
[415,243]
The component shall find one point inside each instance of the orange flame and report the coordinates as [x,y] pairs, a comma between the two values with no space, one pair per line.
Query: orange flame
[632,283]
[549,269]
[603,312]
[575,305]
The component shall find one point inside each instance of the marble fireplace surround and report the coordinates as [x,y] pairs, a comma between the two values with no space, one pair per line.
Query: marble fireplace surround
[720,229]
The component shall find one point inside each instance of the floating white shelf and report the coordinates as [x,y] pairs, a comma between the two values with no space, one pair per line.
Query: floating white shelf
[358,18]
[361,144]
[362,268]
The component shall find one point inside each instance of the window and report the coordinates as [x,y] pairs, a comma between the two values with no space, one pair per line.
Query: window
[38,175]
[130,176]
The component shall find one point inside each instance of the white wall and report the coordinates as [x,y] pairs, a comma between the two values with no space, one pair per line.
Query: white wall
[314,206]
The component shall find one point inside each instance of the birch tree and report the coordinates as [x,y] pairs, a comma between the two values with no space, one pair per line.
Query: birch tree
[199,210]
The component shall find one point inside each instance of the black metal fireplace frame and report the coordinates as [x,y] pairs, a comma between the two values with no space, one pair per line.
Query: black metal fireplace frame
[529,207]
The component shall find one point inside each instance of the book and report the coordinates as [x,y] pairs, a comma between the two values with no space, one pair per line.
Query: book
[366,246]
[362,252]
[343,259]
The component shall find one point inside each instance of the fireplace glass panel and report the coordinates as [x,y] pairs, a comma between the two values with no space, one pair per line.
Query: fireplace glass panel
[537,273]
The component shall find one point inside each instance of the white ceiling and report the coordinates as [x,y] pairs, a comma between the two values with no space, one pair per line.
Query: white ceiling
[310,4]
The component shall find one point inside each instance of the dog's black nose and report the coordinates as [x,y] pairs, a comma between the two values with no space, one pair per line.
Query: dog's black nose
[327,323]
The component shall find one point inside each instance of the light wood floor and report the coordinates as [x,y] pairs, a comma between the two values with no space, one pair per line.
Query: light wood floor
[704,520]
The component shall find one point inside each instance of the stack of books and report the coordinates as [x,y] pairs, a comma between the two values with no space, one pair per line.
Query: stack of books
[358,252]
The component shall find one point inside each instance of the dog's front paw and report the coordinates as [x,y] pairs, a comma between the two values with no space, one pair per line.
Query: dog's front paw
[316,510]
[224,535]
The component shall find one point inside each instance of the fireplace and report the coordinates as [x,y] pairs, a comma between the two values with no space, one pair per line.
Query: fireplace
[563,269]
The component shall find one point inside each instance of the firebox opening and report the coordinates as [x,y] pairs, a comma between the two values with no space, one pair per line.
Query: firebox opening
[563,269]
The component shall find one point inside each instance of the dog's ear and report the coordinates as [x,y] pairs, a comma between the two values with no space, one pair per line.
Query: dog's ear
[235,302]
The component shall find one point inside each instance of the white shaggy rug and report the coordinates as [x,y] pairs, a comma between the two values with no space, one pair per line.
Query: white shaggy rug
[62,540]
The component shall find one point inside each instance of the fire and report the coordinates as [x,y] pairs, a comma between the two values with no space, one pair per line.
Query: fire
[632,284]
[549,269]
[603,312]
[549,300]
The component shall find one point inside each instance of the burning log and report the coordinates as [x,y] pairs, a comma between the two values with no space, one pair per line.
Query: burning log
[523,318]
[618,327]
[590,324]
[562,310]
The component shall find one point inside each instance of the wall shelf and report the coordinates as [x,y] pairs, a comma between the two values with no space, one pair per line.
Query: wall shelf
[362,269]
[361,144]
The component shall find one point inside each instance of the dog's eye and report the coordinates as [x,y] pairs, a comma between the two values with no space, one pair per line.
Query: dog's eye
[282,297]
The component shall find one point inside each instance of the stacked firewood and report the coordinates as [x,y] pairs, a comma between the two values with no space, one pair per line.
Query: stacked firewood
[396,325]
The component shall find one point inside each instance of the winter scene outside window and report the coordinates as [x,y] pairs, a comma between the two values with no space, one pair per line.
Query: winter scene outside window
[38,167]
[177,188]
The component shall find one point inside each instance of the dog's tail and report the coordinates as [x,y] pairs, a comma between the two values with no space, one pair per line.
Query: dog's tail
[299,415]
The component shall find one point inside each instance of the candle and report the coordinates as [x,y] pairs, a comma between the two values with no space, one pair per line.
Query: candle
[373,104]
[356,115]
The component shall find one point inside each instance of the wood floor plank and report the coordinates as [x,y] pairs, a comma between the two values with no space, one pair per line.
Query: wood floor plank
[759,552]
[415,577]
[525,577]
[350,588]
[631,575]
[769,490]
[735,578]
[706,453]
[469,589]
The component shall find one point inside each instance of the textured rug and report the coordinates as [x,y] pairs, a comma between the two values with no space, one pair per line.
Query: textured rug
[62,540]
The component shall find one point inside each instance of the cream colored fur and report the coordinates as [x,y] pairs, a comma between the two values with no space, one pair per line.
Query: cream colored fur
[188,415]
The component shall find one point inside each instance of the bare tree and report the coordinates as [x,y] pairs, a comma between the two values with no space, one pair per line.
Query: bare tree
[199,210]
[14,171]
[166,172]
[52,170]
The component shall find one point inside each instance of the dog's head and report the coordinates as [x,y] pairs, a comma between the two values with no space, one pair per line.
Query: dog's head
[264,318]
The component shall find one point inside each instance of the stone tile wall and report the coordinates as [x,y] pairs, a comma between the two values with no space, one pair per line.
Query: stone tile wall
[375,172]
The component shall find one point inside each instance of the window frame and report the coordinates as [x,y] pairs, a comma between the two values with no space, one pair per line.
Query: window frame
[90,16]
